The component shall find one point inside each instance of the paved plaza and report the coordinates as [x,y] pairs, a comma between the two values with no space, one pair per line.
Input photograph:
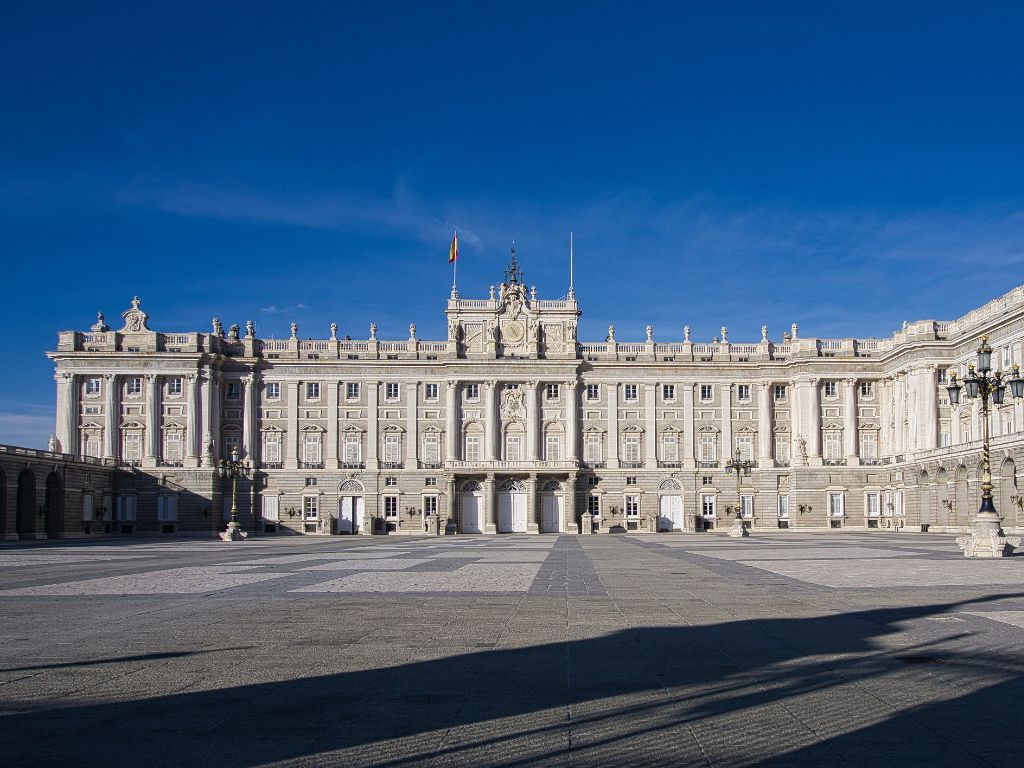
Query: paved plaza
[789,650]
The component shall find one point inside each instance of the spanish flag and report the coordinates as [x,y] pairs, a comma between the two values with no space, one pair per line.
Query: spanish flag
[453,252]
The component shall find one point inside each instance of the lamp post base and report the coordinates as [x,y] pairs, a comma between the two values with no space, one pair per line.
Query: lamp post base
[737,530]
[234,533]
[987,539]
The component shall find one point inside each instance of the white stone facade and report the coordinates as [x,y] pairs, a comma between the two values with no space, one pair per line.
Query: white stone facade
[511,424]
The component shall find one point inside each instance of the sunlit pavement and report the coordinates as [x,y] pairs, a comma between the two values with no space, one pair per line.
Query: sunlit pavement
[785,649]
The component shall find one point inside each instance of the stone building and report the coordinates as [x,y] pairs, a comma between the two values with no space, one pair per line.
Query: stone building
[513,425]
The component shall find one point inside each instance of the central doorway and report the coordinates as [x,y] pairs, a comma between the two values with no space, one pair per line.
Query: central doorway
[552,508]
[472,501]
[670,507]
[512,507]
[350,507]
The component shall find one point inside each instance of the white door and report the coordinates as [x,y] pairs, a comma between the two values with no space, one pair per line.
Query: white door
[670,513]
[471,513]
[505,513]
[346,512]
[357,518]
[519,512]
[552,513]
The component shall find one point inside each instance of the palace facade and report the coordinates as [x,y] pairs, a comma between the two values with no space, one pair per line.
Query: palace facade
[511,424]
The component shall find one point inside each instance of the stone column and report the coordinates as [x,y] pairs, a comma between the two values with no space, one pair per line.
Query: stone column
[490,526]
[850,447]
[796,422]
[412,433]
[111,420]
[67,414]
[215,382]
[249,417]
[899,392]
[572,420]
[571,526]
[814,422]
[331,454]
[192,448]
[613,425]
[726,390]
[152,420]
[533,416]
[291,443]
[451,422]
[954,425]
[764,425]
[533,508]
[372,424]
[928,404]
[975,420]
[688,437]
[651,425]
[490,421]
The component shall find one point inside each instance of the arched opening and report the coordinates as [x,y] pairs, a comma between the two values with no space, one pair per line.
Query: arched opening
[1006,489]
[552,508]
[670,506]
[350,507]
[26,505]
[512,507]
[471,508]
[54,506]
[943,495]
[926,500]
[515,448]
[962,499]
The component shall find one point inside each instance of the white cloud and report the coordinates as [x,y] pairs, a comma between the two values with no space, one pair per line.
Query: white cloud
[273,309]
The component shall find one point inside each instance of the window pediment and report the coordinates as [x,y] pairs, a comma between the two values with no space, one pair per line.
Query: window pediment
[132,425]
[312,428]
[706,428]
[747,429]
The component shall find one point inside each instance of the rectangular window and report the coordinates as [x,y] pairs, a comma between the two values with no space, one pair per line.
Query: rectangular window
[592,447]
[631,452]
[708,445]
[594,505]
[430,505]
[391,507]
[836,505]
[898,504]
[92,387]
[707,392]
[670,447]
[512,448]
[431,450]
[630,391]
[352,390]
[551,391]
[553,448]
[745,446]
[273,391]
[233,390]
[780,391]
[872,505]
[311,507]
[167,508]
[746,506]
[87,510]
[783,507]
[472,448]
[353,449]
[944,440]
[833,445]
[632,506]
[430,391]
[132,446]
[311,448]
[174,387]
[392,449]
[133,386]
[312,390]
[593,481]
[272,448]
[232,442]
[310,481]
[431,481]
[172,445]
[668,392]
[869,444]
[707,480]
[830,389]
[473,392]
[707,505]
[593,392]
[631,480]
[867,389]
[782,449]
[90,444]
[126,507]
[742,391]
[271,507]
[390,482]
[391,391]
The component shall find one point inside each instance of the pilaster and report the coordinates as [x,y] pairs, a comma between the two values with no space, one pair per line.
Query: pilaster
[850,447]
[572,419]
[149,455]
[192,422]
[451,420]
[490,526]
[490,421]
[726,393]
[249,417]
[412,433]
[764,424]
[331,452]
[291,453]
[688,437]
[111,416]
[372,424]
[651,425]
[613,425]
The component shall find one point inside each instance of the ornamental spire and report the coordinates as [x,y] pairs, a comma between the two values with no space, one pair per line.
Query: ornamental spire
[513,274]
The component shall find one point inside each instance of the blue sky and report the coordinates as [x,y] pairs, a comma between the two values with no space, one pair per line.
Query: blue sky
[846,166]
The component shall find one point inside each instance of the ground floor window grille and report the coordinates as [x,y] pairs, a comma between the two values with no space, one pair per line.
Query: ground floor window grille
[271,508]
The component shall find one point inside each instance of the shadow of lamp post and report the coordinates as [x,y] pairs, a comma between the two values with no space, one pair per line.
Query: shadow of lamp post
[986,538]
[234,468]
[741,467]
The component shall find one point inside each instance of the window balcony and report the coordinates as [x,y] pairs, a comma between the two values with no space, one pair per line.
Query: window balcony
[871,462]
[707,464]
[271,465]
[632,465]
[391,465]
[353,465]
[669,464]
[593,464]
[834,462]
[311,465]
[431,465]
[171,463]
[781,463]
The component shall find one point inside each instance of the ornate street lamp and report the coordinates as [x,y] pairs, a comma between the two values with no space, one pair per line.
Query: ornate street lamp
[741,467]
[234,468]
[986,539]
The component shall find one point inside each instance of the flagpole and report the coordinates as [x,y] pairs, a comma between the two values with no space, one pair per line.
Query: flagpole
[572,292]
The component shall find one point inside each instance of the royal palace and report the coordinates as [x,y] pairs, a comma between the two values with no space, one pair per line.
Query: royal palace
[513,425]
